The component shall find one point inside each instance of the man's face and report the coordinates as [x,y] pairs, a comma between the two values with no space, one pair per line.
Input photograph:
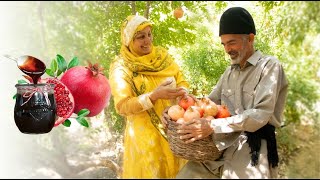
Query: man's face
[237,46]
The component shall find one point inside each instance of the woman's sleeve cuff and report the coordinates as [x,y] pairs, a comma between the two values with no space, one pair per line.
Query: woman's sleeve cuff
[145,101]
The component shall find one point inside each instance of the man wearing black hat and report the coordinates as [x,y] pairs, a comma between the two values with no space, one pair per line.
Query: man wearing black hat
[254,88]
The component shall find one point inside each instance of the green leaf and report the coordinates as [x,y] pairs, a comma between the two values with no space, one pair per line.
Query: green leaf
[83,112]
[67,123]
[59,72]
[21,81]
[81,120]
[62,63]
[15,96]
[53,65]
[50,72]
[74,62]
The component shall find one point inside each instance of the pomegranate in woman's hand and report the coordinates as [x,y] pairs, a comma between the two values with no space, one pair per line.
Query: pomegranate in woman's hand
[89,87]
[175,112]
[186,102]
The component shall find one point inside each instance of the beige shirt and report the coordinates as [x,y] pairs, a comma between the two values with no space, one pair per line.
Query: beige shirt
[254,95]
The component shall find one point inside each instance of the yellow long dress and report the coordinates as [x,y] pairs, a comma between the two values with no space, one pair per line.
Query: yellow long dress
[146,151]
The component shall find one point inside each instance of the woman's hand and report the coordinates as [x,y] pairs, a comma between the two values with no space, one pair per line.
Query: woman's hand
[195,129]
[185,96]
[164,91]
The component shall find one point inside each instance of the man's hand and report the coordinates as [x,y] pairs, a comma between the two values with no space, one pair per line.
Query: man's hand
[195,129]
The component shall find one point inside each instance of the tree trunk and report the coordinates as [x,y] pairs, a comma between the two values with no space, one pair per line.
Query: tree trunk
[40,13]
[146,11]
[133,5]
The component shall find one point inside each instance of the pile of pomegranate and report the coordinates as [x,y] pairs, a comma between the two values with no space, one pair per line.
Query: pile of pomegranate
[189,108]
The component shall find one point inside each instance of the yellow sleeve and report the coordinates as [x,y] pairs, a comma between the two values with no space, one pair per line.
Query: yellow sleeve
[125,100]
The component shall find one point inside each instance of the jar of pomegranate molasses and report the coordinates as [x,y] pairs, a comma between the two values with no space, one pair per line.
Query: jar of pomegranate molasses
[35,108]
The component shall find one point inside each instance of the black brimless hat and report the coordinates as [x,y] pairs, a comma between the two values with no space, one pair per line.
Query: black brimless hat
[236,20]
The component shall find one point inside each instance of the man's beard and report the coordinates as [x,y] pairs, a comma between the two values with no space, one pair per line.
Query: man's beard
[236,60]
[240,55]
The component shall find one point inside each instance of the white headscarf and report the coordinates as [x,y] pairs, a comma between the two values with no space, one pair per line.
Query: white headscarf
[131,27]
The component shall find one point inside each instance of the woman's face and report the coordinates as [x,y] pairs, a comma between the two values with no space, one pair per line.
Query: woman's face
[142,41]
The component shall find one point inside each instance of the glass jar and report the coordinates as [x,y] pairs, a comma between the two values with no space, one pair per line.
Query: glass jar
[35,108]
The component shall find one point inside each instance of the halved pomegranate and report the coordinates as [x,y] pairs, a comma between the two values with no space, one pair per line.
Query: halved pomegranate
[64,100]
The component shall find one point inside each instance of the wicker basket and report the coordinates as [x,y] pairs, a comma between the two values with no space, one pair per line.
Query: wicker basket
[199,150]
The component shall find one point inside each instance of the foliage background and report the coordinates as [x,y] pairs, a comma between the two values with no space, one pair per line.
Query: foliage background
[90,31]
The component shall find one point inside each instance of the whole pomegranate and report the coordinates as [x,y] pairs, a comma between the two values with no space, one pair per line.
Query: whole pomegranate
[178,13]
[198,108]
[89,87]
[203,100]
[206,107]
[223,112]
[191,113]
[186,102]
[175,112]
[210,108]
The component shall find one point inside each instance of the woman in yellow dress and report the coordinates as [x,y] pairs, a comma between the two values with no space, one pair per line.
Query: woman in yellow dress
[144,81]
